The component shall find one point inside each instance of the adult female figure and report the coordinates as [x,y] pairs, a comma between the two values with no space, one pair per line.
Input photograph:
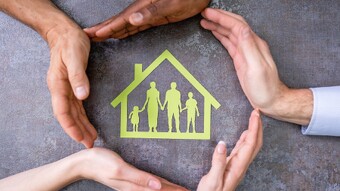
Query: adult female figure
[153,101]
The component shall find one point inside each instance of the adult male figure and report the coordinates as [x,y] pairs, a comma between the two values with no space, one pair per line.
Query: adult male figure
[192,110]
[70,47]
[173,99]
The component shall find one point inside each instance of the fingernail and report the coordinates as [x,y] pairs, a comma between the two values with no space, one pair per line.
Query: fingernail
[154,184]
[221,147]
[80,92]
[137,17]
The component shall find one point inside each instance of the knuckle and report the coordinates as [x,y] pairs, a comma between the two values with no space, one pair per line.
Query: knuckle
[117,171]
[244,28]
[77,76]
[152,9]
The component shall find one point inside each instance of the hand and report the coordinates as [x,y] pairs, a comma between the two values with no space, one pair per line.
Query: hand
[97,164]
[143,14]
[110,169]
[68,83]
[256,69]
[227,172]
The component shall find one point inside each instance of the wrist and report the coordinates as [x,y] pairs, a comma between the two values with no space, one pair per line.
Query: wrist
[78,163]
[66,27]
[292,105]
[73,166]
[83,162]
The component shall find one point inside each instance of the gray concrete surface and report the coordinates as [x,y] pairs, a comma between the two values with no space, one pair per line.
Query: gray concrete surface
[304,37]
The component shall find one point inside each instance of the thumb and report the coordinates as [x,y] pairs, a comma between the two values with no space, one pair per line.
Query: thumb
[76,66]
[141,178]
[153,14]
[218,162]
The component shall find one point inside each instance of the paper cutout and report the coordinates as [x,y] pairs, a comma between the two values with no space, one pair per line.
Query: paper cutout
[172,103]
[153,101]
[192,110]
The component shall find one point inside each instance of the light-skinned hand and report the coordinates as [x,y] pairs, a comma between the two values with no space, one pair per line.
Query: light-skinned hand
[108,168]
[97,164]
[143,14]
[68,82]
[227,172]
[256,69]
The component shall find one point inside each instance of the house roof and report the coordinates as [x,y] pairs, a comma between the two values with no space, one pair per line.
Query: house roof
[181,69]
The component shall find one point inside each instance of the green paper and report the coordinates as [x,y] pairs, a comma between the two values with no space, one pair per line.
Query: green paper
[172,104]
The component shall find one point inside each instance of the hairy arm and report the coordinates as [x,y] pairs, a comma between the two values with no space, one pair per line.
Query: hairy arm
[41,15]
[69,51]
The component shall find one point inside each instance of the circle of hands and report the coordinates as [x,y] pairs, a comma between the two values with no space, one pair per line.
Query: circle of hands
[256,70]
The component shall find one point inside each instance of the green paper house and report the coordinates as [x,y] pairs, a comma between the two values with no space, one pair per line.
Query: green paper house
[139,77]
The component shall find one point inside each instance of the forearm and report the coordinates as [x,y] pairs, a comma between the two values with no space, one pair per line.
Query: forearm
[293,105]
[41,15]
[53,176]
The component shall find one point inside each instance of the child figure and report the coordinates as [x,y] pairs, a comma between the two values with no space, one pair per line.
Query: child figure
[134,116]
[192,111]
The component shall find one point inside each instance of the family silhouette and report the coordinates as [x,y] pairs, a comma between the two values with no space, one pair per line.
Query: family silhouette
[174,108]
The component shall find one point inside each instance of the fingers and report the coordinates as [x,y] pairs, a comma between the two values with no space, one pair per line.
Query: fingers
[118,26]
[226,43]
[216,173]
[253,128]
[74,123]
[88,129]
[153,14]
[91,32]
[259,138]
[166,186]
[126,186]
[62,111]
[139,177]
[229,21]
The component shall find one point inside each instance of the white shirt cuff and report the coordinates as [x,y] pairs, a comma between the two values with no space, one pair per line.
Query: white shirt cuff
[326,112]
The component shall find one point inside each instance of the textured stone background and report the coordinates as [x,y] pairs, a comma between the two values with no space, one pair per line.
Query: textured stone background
[304,37]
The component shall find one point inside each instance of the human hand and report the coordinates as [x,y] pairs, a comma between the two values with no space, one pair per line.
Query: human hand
[253,62]
[97,164]
[256,69]
[108,168]
[68,83]
[143,14]
[227,172]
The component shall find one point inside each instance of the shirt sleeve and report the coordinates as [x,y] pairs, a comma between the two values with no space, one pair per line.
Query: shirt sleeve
[326,112]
